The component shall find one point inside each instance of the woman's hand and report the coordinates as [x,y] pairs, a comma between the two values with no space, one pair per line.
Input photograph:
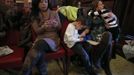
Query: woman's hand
[44,26]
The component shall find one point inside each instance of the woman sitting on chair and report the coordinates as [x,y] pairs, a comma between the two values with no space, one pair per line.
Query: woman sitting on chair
[46,24]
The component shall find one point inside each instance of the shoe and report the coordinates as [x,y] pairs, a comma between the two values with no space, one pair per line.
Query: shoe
[97,70]
[97,65]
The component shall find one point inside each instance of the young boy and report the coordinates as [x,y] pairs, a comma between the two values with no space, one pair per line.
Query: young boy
[74,41]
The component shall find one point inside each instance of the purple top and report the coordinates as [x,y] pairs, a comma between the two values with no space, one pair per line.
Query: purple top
[51,43]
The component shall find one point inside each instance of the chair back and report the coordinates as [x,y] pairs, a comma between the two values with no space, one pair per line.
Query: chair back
[12,38]
[63,29]
[68,51]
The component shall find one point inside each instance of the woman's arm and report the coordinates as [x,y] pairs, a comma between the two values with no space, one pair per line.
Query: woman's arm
[56,20]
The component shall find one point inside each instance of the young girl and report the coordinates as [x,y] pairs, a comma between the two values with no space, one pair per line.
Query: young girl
[110,19]
[46,25]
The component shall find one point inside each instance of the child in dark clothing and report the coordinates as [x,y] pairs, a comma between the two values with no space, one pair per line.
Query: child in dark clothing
[110,19]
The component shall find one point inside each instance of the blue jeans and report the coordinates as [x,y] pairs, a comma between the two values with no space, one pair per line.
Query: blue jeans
[35,57]
[80,50]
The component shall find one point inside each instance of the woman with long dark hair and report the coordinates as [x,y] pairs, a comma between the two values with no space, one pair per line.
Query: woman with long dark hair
[46,24]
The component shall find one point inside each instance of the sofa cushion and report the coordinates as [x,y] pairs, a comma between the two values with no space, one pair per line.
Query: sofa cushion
[55,55]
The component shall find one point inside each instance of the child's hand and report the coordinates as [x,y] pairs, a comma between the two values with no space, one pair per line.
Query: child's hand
[107,26]
[110,14]
[82,34]
[86,31]
[81,39]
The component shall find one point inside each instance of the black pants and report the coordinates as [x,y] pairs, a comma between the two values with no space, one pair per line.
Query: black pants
[101,48]
[83,51]
[115,33]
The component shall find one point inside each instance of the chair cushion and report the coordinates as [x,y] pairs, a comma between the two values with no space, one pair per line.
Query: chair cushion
[55,55]
[13,60]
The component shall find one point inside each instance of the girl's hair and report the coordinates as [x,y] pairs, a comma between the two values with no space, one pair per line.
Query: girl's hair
[95,3]
[35,7]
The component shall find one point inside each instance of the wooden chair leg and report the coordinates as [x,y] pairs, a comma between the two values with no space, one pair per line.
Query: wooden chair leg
[62,67]
[67,64]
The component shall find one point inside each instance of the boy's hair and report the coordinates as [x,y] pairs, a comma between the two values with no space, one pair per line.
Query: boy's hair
[81,19]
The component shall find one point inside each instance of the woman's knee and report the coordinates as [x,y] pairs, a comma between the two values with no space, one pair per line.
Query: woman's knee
[40,45]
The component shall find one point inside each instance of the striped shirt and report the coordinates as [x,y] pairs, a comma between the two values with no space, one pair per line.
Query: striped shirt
[109,18]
